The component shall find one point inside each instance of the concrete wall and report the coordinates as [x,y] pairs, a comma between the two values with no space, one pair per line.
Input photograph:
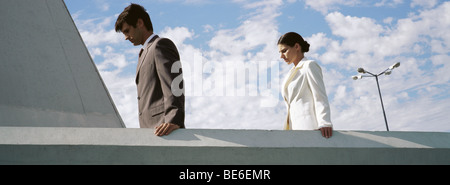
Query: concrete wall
[29,145]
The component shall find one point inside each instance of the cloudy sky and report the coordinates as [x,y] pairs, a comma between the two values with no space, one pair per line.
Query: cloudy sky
[233,72]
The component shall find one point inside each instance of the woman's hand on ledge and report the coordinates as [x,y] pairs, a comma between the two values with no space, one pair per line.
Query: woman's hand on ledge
[327,132]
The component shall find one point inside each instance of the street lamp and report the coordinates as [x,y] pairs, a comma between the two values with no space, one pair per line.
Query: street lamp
[388,71]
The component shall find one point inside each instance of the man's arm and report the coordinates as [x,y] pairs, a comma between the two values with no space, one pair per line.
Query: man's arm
[167,55]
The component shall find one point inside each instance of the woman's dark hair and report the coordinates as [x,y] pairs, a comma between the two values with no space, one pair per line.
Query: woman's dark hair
[292,38]
[131,14]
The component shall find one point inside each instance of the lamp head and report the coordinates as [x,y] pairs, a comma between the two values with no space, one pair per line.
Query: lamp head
[395,66]
[357,77]
[361,70]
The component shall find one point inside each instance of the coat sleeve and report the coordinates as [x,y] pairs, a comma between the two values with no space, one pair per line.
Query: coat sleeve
[166,56]
[321,104]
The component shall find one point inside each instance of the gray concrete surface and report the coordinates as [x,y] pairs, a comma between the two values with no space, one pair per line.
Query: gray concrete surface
[47,77]
[30,145]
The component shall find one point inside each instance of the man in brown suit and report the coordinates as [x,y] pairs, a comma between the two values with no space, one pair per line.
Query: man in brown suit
[159,77]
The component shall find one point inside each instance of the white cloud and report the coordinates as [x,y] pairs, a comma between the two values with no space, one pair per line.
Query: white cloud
[391,3]
[95,33]
[188,2]
[388,20]
[208,28]
[424,3]
[123,92]
[324,6]
[178,34]
[245,37]
[349,27]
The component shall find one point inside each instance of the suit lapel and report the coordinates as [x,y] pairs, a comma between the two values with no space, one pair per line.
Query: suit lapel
[289,79]
[143,55]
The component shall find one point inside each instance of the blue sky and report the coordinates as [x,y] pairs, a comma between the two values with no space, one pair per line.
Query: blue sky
[216,37]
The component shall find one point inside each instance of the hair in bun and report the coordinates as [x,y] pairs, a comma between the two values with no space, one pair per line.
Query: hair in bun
[293,38]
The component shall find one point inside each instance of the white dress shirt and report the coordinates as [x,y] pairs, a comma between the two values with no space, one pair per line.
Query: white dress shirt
[306,99]
[148,40]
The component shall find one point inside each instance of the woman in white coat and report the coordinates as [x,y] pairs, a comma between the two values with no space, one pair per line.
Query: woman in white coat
[303,88]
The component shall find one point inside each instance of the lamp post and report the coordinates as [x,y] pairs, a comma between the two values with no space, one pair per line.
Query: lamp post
[388,71]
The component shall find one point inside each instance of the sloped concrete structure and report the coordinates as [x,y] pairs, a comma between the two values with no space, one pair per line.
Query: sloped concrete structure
[230,147]
[47,77]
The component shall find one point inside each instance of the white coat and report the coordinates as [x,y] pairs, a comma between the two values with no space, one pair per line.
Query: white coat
[306,99]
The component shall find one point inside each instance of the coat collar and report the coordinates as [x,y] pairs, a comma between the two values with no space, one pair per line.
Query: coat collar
[147,45]
[149,40]
[301,63]
[290,76]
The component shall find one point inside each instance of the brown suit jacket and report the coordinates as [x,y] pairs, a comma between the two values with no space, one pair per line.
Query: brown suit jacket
[157,81]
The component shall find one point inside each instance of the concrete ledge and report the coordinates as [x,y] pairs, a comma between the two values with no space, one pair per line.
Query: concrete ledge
[44,145]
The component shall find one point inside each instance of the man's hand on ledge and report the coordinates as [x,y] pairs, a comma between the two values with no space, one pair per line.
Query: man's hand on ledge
[165,129]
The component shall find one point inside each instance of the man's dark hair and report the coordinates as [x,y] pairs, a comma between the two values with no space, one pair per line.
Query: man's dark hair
[131,14]
[293,38]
